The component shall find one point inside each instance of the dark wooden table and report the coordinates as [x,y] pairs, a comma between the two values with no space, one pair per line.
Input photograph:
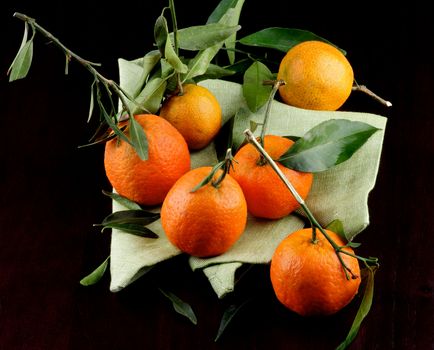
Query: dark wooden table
[51,190]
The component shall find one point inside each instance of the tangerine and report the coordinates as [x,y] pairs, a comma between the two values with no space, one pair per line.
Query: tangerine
[308,278]
[196,114]
[317,76]
[206,222]
[147,181]
[266,195]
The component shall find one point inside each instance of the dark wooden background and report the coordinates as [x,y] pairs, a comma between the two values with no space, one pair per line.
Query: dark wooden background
[50,191]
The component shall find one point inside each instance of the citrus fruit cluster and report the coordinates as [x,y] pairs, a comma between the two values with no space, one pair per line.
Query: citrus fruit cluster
[207,220]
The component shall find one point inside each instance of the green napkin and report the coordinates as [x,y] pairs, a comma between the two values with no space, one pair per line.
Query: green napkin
[338,193]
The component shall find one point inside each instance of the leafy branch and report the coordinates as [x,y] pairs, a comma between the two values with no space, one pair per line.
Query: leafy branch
[21,65]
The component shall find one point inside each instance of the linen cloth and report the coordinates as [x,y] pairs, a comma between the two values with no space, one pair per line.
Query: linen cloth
[338,193]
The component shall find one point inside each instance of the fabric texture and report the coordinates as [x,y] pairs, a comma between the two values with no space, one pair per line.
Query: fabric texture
[338,193]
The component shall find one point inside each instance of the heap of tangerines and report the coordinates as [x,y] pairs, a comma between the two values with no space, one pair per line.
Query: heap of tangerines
[205,218]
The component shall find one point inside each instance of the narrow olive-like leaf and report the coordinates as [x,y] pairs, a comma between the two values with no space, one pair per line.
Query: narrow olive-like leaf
[133,229]
[151,95]
[209,177]
[172,58]
[327,144]
[241,123]
[91,103]
[23,42]
[337,227]
[200,63]
[254,91]
[230,42]
[363,311]
[110,122]
[281,39]
[201,37]
[353,244]
[95,275]
[127,203]
[160,33]
[220,10]
[139,217]
[228,315]
[22,63]
[214,72]
[133,74]
[139,139]
[180,306]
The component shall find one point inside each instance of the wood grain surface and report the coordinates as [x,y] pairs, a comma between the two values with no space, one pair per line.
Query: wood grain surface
[50,191]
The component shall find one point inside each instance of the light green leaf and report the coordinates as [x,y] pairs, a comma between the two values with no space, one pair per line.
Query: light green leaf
[180,306]
[281,39]
[327,144]
[138,139]
[23,42]
[96,275]
[230,42]
[200,63]
[337,227]
[160,33]
[151,95]
[91,103]
[133,74]
[221,9]
[173,59]
[201,37]
[22,62]
[241,123]
[214,72]
[254,91]
[363,311]
[129,204]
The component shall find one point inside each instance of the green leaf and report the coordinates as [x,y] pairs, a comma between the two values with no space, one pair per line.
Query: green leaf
[228,315]
[281,39]
[221,9]
[134,229]
[91,103]
[200,63]
[133,74]
[22,62]
[109,120]
[180,306]
[160,33]
[129,204]
[139,217]
[241,123]
[240,66]
[96,275]
[354,244]
[209,177]
[337,227]
[151,95]
[326,145]
[363,311]
[201,37]
[23,42]
[254,91]
[138,139]
[230,42]
[173,59]
[214,72]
